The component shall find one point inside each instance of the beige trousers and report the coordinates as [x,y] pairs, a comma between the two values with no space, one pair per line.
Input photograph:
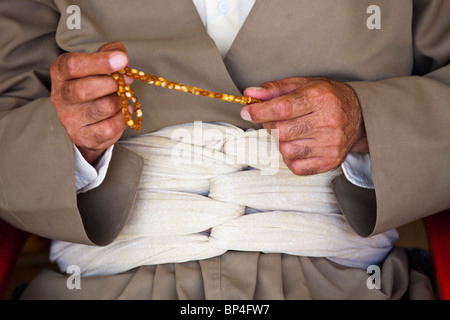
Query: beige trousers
[242,275]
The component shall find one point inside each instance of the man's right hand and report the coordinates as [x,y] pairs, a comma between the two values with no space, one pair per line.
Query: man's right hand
[85,98]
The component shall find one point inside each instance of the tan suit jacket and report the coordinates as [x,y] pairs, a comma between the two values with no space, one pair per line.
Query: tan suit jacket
[400,73]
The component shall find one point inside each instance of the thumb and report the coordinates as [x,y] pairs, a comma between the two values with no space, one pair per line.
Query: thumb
[273,89]
[118,58]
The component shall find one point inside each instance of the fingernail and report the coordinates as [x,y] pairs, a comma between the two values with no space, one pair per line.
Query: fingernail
[128,80]
[118,61]
[255,88]
[246,115]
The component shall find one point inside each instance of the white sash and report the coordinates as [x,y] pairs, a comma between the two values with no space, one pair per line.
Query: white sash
[211,187]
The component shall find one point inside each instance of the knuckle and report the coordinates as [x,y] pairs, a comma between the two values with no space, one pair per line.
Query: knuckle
[102,134]
[285,150]
[283,133]
[324,86]
[70,122]
[328,95]
[292,129]
[70,65]
[101,109]
[294,152]
[66,92]
[314,92]
[333,119]
[332,122]
[110,105]
[284,109]
[270,85]
[79,91]
[304,152]
[339,142]
[299,98]
[335,155]
[333,140]
[57,67]
[340,116]
[93,111]
[325,167]
[94,138]
[55,99]
[54,69]
[298,127]
[322,92]
[279,128]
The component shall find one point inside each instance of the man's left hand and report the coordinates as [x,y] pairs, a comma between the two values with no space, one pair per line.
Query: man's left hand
[318,121]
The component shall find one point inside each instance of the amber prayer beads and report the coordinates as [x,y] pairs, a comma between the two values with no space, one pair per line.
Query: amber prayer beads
[126,93]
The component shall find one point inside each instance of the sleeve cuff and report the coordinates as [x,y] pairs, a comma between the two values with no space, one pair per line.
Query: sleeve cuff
[357,169]
[87,176]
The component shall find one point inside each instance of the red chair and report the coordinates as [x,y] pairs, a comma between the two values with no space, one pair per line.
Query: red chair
[437,227]
[11,242]
[438,232]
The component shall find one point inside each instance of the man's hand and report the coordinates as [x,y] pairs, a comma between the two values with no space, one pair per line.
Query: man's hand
[85,100]
[318,121]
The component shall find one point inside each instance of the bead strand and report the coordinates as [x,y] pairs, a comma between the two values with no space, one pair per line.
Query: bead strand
[127,94]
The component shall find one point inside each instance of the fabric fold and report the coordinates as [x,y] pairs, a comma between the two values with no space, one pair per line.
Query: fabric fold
[124,255]
[303,234]
[281,191]
[177,213]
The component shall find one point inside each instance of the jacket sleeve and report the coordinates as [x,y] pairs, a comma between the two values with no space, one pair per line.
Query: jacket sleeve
[37,173]
[407,122]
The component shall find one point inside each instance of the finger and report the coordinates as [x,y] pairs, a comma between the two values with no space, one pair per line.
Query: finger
[103,134]
[319,160]
[74,117]
[298,149]
[305,167]
[87,89]
[298,128]
[101,109]
[293,105]
[77,65]
[108,131]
